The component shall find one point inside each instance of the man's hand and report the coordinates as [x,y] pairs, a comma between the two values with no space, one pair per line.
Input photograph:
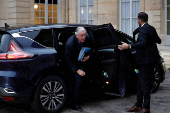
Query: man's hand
[123,46]
[81,72]
[85,59]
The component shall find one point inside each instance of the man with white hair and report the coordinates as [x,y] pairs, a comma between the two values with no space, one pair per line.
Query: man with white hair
[72,50]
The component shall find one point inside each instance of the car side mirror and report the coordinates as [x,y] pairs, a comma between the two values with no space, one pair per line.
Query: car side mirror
[136,37]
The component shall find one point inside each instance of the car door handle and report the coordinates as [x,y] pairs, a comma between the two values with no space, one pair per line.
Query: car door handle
[107,61]
[133,52]
[106,50]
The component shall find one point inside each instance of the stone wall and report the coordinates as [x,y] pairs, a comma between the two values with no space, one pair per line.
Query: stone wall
[106,11]
[16,12]
[73,11]
[156,12]
[19,12]
[32,20]
[4,11]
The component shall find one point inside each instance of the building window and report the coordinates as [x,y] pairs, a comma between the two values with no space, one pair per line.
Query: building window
[129,10]
[46,11]
[86,12]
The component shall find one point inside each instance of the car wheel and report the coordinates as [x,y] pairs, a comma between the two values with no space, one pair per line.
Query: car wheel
[50,95]
[156,80]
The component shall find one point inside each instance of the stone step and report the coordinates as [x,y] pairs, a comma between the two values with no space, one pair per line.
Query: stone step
[167,66]
[167,60]
[165,52]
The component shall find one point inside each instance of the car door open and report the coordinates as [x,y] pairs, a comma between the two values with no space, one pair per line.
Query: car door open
[107,55]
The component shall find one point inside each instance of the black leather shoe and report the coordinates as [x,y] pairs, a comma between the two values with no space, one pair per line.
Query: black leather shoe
[144,111]
[133,109]
[77,107]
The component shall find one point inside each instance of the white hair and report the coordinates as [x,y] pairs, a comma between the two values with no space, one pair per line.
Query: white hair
[79,29]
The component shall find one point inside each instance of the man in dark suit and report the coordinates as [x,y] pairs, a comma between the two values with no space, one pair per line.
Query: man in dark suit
[72,50]
[146,55]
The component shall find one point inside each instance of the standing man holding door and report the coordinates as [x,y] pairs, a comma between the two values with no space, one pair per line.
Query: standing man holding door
[146,55]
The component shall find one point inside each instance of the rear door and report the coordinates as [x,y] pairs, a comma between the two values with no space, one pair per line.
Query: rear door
[108,55]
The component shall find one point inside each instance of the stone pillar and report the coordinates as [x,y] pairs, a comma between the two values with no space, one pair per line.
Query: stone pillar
[62,11]
[4,13]
[162,22]
[106,11]
[32,13]
[73,11]
[95,12]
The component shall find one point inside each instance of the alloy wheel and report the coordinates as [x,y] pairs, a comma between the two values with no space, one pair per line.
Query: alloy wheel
[156,80]
[52,95]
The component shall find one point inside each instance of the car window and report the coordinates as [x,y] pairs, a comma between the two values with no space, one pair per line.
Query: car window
[0,42]
[63,36]
[124,37]
[102,37]
[44,37]
[4,42]
[31,34]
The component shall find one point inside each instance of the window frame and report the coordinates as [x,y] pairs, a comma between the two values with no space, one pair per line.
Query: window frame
[131,15]
[87,18]
[46,12]
[97,40]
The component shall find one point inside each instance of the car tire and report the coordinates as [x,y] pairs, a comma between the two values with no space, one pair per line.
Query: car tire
[156,79]
[50,95]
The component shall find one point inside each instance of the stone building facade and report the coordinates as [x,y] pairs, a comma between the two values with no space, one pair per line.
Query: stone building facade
[19,12]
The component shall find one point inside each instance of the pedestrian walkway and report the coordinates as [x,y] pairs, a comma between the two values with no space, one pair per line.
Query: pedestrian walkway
[165,52]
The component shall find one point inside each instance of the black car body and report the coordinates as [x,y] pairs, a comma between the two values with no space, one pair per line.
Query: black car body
[33,69]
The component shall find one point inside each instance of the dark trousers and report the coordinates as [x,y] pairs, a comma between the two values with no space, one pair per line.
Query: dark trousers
[77,87]
[146,72]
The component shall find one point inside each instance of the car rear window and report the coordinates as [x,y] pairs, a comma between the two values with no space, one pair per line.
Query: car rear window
[4,42]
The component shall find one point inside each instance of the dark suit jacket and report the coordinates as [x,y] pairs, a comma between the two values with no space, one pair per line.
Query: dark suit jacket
[72,49]
[146,48]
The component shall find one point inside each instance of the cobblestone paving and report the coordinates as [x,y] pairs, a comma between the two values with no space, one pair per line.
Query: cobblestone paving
[160,103]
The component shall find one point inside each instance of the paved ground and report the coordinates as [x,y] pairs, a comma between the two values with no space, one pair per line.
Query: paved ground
[160,103]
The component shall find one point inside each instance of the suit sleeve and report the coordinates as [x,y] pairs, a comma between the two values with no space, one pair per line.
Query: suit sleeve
[69,59]
[158,40]
[141,38]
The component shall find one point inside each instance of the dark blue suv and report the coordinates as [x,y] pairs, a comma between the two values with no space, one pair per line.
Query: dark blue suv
[33,68]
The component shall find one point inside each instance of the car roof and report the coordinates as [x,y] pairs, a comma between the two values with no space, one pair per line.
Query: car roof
[31,27]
